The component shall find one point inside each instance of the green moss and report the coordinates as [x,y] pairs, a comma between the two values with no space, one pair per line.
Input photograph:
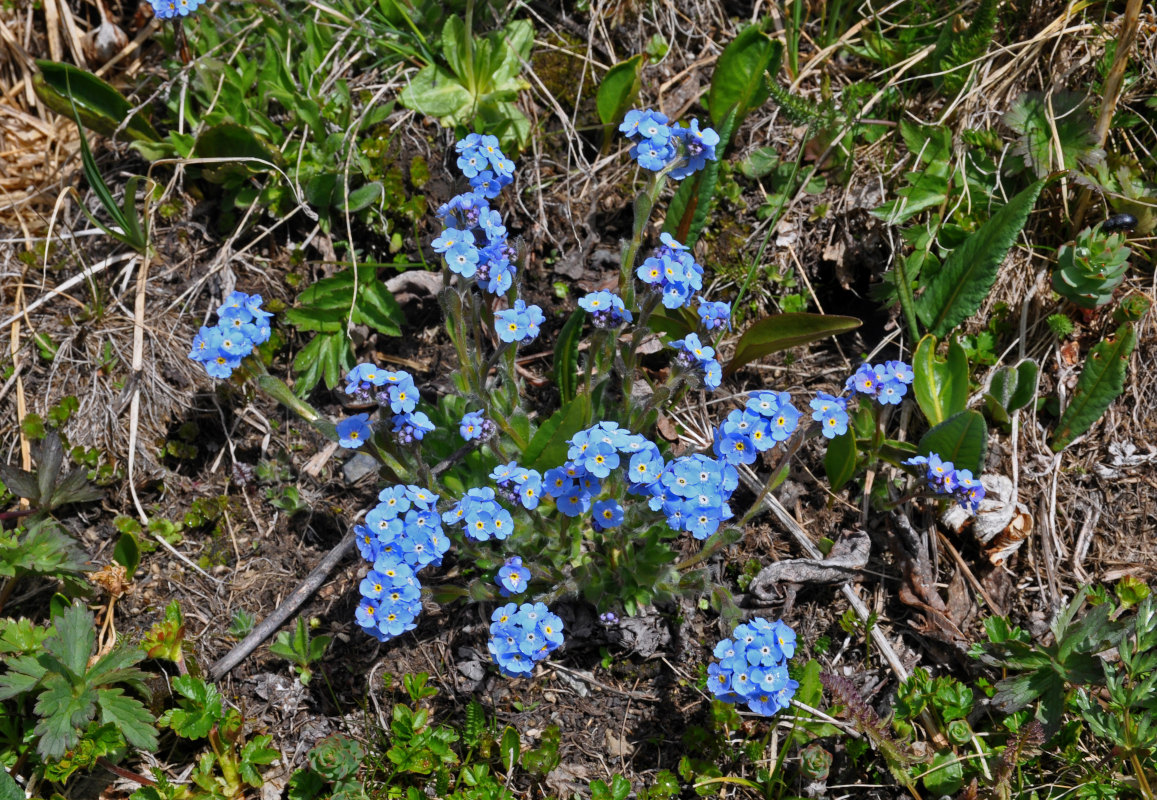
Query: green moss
[558,66]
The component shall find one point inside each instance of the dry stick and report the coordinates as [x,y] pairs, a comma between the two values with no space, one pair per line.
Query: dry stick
[1112,93]
[307,587]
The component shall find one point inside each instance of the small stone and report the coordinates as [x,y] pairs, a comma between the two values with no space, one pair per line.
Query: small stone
[361,465]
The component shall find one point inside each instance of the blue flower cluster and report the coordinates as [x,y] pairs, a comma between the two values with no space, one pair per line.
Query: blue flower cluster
[522,635]
[657,144]
[168,9]
[474,242]
[942,477]
[517,485]
[715,315]
[591,457]
[693,492]
[831,413]
[672,270]
[393,390]
[752,667]
[482,517]
[474,425]
[768,418]
[241,325]
[401,535]
[519,324]
[693,354]
[606,309]
[887,382]
[512,577]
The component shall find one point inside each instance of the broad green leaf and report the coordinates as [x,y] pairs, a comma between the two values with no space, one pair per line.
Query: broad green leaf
[101,107]
[548,447]
[968,273]
[254,754]
[741,76]
[1101,382]
[130,716]
[945,776]
[127,553]
[435,91]
[840,460]
[509,748]
[1027,374]
[230,140]
[62,710]
[940,385]
[362,197]
[566,356]
[377,307]
[199,709]
[9,789]
[455,47]
[783,331]
[619,89]
[961,439]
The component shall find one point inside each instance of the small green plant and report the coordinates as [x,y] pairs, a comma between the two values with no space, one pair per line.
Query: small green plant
[1091,269]
[1060,325]
[853,626]
[333,766]
[300,649]
[475,80]
[74,695]
[241,624]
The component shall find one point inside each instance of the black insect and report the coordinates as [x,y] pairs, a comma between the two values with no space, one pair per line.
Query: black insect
[1119,222]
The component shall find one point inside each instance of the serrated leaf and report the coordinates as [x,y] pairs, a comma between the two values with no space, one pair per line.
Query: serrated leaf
[130,716]
[940,385]
[968,273]
[74,488]
[549,445]
[619,89]
[1101,382]
[20,482]
[255,753]
[200,709]
[783,331]
[75,636]
[62,711]
[566,356]
[24,674]
[48,461]
[961,439]
[840,460]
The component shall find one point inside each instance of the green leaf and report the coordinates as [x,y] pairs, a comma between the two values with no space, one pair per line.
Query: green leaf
[101,107]
[1101,382]
[327,358]
[127,553]
[940,386]
[783,331]
[305,785]
[968,273]
[509,749]
[946,774]
[456,47]
[130,716]
[255,753]
[75,636]
[436,92]
[9,789]
[961,439]
[62,711]
[200,709]
[233,141]
[362,197]
[840,460]
[566,355]
[619,89]
[549,445]
[740,79]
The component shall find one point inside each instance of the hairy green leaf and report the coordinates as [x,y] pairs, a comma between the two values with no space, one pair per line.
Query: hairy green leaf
[961,439]
[1101,382]
[101,107]
[130,716]
[840,460]
[940,385]
[783,331]
[548,446]
[968,273]
[566,355]
[619,89]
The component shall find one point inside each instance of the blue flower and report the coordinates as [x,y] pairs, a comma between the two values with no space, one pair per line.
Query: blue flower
[474,425]
[607,514]
[169,9]
[451,238]
[698,147]
[752,667]
[512,577]
[520,636]
[518,324]
[715,315]
[242,325]
[411,427]
[943,478]
[830,412]
[606,309]
[354,431]
[462,259]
